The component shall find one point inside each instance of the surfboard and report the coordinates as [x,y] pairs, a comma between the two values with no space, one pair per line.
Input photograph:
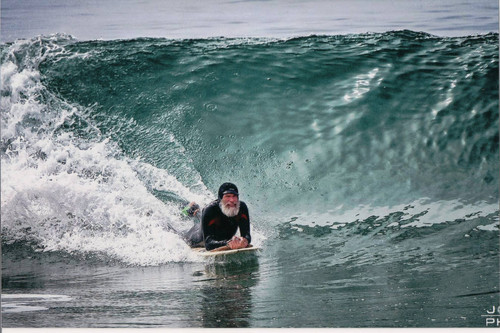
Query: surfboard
[201,251]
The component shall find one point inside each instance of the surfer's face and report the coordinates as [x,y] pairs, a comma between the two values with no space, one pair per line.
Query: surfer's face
[230,204]
[230,199]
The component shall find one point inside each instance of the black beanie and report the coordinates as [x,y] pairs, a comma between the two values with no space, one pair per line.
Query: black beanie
[227,188]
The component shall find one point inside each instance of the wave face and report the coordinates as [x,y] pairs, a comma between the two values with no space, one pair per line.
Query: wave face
[388,133]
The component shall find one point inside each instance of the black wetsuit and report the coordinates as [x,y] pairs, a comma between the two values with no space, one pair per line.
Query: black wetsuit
[216,229]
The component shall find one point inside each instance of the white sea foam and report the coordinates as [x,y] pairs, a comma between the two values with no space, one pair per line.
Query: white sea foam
[15,303]
[79,195]
[39,297]
[17,308]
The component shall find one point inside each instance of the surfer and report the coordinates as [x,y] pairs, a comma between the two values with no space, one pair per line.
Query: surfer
[219,221]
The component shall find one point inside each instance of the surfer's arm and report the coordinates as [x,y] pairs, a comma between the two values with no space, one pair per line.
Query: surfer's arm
[245,223]
[211,243]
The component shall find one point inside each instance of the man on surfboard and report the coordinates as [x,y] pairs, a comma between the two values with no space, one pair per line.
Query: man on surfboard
[220,220]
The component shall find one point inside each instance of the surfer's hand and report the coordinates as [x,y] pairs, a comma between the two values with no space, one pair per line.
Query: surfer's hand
[237,243]
[243,242]
[233,243]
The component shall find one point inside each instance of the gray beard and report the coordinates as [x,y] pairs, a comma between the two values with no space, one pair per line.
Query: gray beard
[229,211]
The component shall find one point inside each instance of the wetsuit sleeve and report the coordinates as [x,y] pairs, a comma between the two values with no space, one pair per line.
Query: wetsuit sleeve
[209,213]
[245,223]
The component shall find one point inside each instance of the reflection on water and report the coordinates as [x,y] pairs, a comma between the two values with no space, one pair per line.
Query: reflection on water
[227,293]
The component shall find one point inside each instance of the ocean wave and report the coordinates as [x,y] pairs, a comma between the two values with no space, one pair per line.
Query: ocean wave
[102,141]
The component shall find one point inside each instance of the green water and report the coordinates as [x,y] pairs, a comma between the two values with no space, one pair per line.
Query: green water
[369,163]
